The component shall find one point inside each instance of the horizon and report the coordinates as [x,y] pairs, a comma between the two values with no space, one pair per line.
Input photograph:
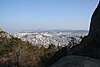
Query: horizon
[23,15]
[38,31]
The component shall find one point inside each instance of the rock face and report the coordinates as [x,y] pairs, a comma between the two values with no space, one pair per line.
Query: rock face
[77,61]
[89,47]
[95,22]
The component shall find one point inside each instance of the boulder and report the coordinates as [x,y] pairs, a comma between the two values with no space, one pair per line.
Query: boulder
[89,47]
[77,61]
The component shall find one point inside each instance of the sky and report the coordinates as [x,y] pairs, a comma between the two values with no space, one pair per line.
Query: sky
[19,15]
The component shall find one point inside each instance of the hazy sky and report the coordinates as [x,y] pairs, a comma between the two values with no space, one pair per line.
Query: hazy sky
[46,14]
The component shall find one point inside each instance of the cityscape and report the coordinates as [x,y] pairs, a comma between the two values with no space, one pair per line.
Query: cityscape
[58,38]
[49,33]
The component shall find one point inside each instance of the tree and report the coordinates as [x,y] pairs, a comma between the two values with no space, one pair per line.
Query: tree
[73,41]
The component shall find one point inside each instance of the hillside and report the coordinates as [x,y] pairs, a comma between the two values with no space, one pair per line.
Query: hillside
[17,53]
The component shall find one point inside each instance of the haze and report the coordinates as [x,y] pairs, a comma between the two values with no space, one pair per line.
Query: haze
[46,14]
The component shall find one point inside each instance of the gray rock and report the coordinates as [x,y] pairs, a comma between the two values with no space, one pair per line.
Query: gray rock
[90,45]
[77,61]
[95,23]
[87,53]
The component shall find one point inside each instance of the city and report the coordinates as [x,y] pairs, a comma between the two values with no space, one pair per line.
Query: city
[51,37]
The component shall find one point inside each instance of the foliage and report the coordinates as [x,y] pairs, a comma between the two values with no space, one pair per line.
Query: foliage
[16,53]
[73,41]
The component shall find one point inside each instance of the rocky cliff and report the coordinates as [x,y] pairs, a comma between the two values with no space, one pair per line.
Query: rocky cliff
[77,61]
[89,47]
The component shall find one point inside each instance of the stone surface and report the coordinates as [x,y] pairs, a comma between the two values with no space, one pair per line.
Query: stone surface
[77,61]
[89,47]
[95,22]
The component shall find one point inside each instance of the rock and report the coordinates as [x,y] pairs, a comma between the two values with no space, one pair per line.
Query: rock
[77,61]
[95,23]
[58,55]
[89,47]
